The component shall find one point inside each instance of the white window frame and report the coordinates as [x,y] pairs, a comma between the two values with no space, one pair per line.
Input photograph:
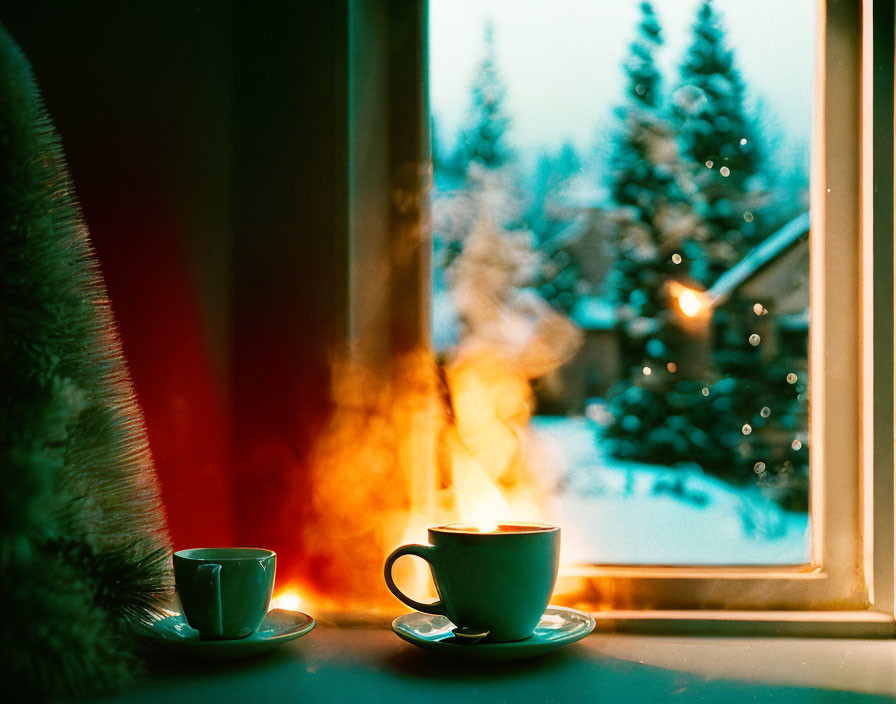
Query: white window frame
[847,588]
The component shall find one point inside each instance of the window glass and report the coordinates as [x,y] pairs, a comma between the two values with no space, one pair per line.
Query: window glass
[621,270]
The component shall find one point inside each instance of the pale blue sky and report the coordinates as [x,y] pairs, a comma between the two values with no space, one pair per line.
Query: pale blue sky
[561,59]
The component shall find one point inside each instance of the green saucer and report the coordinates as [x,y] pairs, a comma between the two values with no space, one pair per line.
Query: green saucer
[558,627]
[279,627]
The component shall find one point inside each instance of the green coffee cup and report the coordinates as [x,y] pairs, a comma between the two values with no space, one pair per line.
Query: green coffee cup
[497,582]
[225,592]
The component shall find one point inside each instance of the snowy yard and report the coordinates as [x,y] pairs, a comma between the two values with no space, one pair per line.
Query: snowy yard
[614,511]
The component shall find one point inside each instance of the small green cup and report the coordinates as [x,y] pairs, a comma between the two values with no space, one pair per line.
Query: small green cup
[225,592]
[497,583]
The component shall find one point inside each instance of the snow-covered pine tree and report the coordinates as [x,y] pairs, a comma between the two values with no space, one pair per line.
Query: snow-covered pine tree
[553,172]
[647,188]
[83,544]
[654,418]
[718,138]
[484,141]
[559,279]
[479,179]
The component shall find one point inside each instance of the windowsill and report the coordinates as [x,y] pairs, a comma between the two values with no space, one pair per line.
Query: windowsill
[370,664]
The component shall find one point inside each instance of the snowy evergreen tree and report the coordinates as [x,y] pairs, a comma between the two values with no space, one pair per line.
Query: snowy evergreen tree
[734,411]
[648,186]
[479,176]
[644,77]
[553,173]
[718,137]
[548,215]
[484,141]
[721,138]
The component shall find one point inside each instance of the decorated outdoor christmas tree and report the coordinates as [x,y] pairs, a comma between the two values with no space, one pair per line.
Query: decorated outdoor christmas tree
[718,138]
[83,544]
[652,412]
[648,186]
[700,388]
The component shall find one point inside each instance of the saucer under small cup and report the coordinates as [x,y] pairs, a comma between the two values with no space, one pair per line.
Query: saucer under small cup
[558,627]
[279,626]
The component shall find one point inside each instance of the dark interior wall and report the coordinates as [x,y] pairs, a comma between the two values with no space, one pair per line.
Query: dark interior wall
[290,273]
[207,145]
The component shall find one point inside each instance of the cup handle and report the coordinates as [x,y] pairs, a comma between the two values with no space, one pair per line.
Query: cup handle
[208,593]
[428,553]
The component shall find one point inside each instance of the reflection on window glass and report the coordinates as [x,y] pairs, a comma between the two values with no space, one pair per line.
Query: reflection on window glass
[620,216]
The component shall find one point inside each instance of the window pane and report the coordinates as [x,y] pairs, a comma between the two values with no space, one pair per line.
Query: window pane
[621,270]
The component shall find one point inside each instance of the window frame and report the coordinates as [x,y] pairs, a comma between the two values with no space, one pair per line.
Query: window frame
[847,588]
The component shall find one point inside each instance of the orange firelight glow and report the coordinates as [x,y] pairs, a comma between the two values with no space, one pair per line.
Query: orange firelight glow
[425,442]
[288,599]
[429,447]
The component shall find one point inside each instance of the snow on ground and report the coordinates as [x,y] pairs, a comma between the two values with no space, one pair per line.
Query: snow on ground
[616,511]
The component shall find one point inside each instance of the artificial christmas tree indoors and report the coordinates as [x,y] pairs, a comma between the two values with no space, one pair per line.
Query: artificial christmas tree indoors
[83,543]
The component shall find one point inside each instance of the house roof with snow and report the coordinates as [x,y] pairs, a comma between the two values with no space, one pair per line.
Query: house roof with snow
[759,258]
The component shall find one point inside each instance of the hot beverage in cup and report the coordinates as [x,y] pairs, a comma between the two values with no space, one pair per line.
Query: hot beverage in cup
[497,581]
[225,592]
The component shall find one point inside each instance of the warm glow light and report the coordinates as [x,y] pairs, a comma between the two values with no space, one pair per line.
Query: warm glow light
[482,466]
[689,302]
[287,599]
[439,446]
